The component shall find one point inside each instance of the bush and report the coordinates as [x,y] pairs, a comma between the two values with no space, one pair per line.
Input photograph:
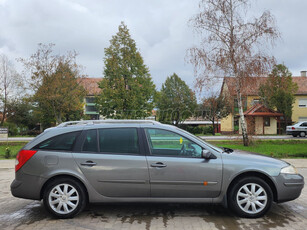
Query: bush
[198,129]
[13,129]
[7,154]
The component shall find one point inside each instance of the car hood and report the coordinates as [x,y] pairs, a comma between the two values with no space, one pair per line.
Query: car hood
[254,161]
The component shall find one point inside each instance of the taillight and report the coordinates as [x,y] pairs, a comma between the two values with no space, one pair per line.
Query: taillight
[22,157]
[292,128]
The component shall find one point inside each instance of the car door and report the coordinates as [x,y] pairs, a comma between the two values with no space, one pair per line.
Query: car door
[177,169]
[113,162]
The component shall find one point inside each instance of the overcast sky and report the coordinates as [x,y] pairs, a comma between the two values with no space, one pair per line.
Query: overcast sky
[159,27]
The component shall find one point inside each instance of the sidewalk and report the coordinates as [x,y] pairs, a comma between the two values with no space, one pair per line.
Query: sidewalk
[298,163]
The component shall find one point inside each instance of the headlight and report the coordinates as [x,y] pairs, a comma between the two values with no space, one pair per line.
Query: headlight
[289,170]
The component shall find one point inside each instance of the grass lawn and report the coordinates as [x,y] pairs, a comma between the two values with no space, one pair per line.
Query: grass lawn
[274,148]
[14,147]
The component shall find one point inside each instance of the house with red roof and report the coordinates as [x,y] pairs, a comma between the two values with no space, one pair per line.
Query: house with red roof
[261,120]
[92,89]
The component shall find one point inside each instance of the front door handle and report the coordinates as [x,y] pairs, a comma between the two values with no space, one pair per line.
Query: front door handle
[158,165]
[88,163]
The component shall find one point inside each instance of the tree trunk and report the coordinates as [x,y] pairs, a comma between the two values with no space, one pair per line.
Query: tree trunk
[213,130]
[58,118]
[242,119]
[3,114]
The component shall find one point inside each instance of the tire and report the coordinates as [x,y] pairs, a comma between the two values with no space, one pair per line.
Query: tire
[294,135]
[243,201]
[302,134]
[64,198]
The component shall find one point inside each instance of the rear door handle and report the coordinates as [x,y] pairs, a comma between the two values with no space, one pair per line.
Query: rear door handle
[88,163]
[158,165]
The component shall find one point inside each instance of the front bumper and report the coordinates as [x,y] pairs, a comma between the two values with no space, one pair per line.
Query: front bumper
[289,186]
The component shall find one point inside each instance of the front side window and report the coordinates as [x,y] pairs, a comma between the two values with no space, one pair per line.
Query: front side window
[119,140]
[61,142]
[166,143]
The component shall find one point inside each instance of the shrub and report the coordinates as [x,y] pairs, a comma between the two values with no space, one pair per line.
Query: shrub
[7,154]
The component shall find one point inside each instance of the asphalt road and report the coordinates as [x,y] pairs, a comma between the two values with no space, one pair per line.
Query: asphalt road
[27,214]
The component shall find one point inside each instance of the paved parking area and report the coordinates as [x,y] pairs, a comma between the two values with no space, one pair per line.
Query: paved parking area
[26,214]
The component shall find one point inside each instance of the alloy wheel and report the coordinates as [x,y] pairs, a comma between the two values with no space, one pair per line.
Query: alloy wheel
[252,198]
[63,198]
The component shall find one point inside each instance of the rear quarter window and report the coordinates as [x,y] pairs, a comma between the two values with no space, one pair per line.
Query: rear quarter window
[63,142]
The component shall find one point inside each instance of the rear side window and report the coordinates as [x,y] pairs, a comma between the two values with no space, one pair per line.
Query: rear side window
[90,142]
[119,140]
[61,142]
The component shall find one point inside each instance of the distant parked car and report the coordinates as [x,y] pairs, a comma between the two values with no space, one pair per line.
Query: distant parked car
[146,161]
[298,129]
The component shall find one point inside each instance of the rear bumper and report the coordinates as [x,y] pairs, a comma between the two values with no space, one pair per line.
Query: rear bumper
[289,186]
[288,132]
[28,188]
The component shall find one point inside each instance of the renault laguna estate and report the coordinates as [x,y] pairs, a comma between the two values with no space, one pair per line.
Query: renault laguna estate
[84,162]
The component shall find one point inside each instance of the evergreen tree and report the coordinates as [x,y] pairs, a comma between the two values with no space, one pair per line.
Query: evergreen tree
[278,91]
[176,101]
[127,87]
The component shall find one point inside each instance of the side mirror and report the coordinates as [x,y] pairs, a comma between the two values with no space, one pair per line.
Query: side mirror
[207,154]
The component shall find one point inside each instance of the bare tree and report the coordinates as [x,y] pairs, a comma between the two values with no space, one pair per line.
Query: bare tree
[55,81]
[9,84]
[216,107]
[232,44]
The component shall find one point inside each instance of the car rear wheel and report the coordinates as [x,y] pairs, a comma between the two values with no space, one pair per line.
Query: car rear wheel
[64,198]
[250,197]
[302,134]
[294,135]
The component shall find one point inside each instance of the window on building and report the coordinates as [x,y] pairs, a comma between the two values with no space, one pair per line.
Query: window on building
[255,102]
[90,108]
[90,99]
[236,107]
[302,103]
[267,121]
[119,140]
[61,142]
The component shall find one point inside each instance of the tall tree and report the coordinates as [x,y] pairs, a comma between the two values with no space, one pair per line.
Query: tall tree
[127,89]
[54,79]
[176,101]
[10,82]
[232,44]
[278,91]
[215,108]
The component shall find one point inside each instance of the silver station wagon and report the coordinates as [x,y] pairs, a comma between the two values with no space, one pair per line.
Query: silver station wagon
[84,162]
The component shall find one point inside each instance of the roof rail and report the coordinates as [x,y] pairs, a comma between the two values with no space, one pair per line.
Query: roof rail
[108,121]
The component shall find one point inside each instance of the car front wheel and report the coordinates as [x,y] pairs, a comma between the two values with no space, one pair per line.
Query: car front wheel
[250,197]
[64,198]
[302,134]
